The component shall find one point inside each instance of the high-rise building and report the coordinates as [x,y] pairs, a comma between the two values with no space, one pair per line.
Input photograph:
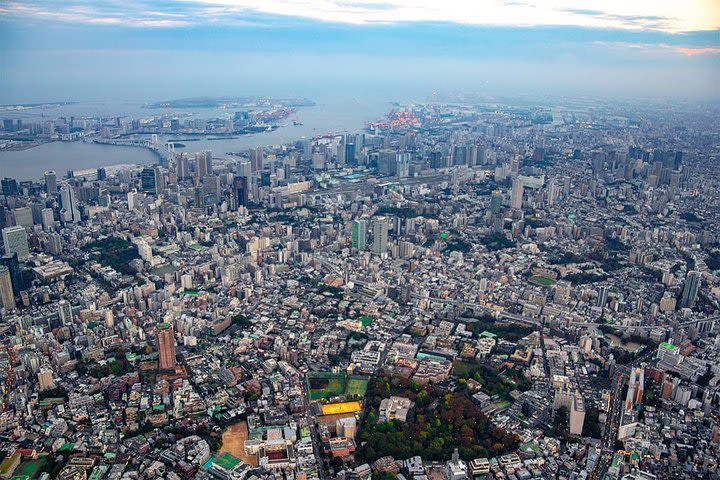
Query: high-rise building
[23,216]
[65,312]
[350,154]
[241,191]
[47,218]
[54,244]
[15,240]
[380,235]
[181,166]
[166,346]
[132,199]
[496,201]
[7,297]
[402,164]
[45,378]
[51,182]
[602,296]
[12,263]
[150,180]
[256,158]
[70,212]
[359,234]
[203,163]
[9,186]
[690,290]
[516,196]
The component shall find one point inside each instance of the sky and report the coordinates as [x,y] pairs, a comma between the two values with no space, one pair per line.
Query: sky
[149,50]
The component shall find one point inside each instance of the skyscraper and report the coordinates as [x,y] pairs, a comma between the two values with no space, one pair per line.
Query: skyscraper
[256,158]
[496,199]
[350,154]
[602,296]
[65,312]
[359,234]
[23,216]
[47,217]
[402,164]
[15,240]
[181,165]
[516,196]
[7,297]
[380,235]
[241,191]
[149,180]
[13,265]
[203,163]
[166,346]
[70,212]
[9,186]
[51,182]
[690,290]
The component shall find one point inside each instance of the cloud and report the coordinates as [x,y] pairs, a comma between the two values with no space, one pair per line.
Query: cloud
[662,15]
[92,16]
[660,48]
[655,22]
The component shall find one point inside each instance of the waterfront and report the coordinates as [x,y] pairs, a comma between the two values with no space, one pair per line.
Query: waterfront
[332,115]
[233,439]
[63,156]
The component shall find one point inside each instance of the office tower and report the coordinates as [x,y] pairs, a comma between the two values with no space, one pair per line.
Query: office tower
[9,186]
[241,191]
[256,159]
[211,186]
[577,415]
[68,201]
[181,166]
[101,174]
[12,263]
[150,180]
[402,164]
[318,161]
[7,297]
[387,162]
[166,346]
[516,196]
[640,385]
[132,199]
[340,152]
[54,244]
[496,201]
[690,290]
[203,163]
[65,312]
[51,182]
[602,297]
[380,235]
[350,154]
[23,216]
[459,155]
[47,218]
[359,234]
[15,240]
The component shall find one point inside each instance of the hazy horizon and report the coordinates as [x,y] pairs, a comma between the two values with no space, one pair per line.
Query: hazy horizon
[150,50]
